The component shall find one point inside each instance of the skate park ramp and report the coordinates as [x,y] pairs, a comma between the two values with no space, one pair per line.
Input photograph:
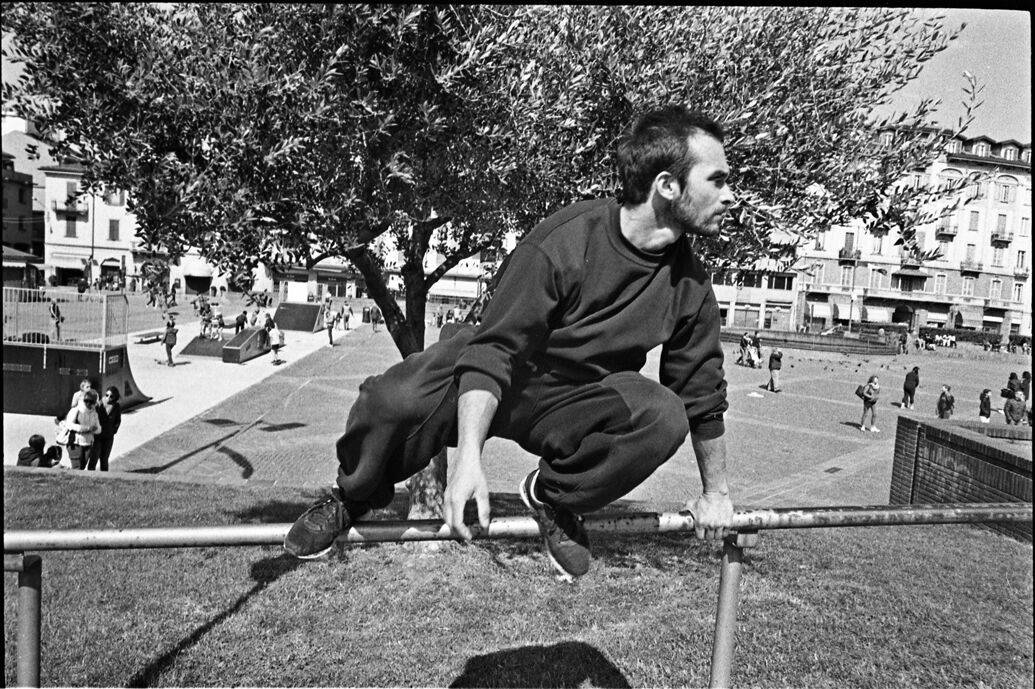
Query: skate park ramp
[42,380]
[246,345]
[203,346]
[299,316]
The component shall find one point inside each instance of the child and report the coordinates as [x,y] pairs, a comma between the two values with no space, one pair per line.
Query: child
[276,342]
[34,455]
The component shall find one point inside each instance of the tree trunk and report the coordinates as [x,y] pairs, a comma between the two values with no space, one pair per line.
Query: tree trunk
[395,321]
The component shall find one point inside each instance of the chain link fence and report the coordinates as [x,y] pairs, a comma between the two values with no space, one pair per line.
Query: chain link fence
[65,317]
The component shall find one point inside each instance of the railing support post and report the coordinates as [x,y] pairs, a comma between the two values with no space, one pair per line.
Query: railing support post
[726,615]
[30,580]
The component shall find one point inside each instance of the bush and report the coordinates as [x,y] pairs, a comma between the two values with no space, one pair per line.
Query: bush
[974,336]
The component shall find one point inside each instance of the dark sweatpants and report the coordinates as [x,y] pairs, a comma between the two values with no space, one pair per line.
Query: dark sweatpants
[596,440]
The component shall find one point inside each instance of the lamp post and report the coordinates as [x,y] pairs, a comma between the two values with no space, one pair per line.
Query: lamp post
[93,223]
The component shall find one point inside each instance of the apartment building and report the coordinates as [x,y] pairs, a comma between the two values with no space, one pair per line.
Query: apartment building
[979,282]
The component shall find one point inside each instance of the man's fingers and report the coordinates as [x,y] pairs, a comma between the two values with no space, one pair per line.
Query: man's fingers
[482,498]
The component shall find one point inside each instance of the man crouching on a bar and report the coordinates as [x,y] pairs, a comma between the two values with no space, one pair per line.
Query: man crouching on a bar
[555,363]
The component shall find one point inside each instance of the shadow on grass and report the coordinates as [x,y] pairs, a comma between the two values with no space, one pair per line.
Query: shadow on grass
[567,664]
[852,424]
[263,573]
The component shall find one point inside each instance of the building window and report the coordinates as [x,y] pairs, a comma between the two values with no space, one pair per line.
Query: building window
[21,194]
[846,276]
[878,244]
[70,191]
[1006,189]
[113,230]
[971,248]
[939,283]
[975,218]
[1000,224]
[1010,153]
[820,271]
[1021,258]
[874,282]
[981,149]
[1025,226]
[1018,291]
[887,138]
[819,241]
[953,146]
[783,282]
[70,226]
[1026,155]
[995,289]
[997,257]
[968,287]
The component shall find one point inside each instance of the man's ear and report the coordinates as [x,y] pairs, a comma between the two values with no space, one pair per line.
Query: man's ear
[667,186]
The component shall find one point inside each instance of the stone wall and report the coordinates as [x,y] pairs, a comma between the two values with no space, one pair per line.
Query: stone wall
[962,461]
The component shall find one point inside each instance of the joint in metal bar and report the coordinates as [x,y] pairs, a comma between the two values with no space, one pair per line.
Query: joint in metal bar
[744,539]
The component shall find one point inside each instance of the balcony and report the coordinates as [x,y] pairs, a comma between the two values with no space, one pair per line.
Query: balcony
[997,303]
[970,266]
[73,208]
[910,295]
[1001,237]
[908,261]
[1021,272]
[946,231]
[847,255]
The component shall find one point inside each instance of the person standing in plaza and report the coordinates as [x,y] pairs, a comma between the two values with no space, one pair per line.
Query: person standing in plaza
[345,316]
[330,317]
[756,344]
[870,395]
[56,318]
[909,387]
[745,343]
[82,421]
[775,364]
[276,342]
[109,414]
[946,403]
[375,317]
[1013,410]
[169,340]
[903,343]
[985,406]
[555,364]
[240,322]
[77,397]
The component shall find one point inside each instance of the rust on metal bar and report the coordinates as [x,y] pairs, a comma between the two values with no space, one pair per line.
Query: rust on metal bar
[516,527]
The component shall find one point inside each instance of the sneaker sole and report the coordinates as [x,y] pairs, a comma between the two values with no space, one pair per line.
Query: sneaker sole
[562,574]
[311,556]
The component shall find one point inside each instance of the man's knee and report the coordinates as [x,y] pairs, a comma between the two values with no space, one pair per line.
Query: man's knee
[667,417]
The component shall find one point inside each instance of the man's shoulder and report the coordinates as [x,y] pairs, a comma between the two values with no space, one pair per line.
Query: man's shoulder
[571,223]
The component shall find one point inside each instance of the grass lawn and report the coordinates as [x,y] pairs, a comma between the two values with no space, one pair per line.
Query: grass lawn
[942,606]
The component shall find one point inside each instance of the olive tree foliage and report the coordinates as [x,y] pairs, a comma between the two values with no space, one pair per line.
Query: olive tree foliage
[796,90]
[288,133]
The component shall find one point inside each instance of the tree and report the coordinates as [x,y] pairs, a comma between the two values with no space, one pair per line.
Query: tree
[289,133]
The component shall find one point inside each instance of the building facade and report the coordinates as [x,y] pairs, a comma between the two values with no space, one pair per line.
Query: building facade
[979,282]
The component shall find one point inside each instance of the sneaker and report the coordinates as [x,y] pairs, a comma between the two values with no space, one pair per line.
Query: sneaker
[314,532]
[567,545]
[875,429]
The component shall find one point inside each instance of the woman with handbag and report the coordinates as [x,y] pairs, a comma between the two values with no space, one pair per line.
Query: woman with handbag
[109,413]
[870,393]
[82,423]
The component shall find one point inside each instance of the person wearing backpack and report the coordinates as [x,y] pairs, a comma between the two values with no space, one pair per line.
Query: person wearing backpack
[869,394]
[83,423]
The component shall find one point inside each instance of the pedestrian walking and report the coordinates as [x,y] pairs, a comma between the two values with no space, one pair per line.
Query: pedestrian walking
[109,414]
[253,320]
[756,344]
[775,364]
[169,340]
[555,363]
[56,318]
[83,424]
[985,406]
[869,393]
[745,344]
[909,387]
[903,343]
[345,316]
[946,403]
[1014,410]
[241,322]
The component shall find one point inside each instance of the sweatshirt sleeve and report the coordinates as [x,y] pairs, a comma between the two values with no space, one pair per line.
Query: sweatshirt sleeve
[691,366]
[515,323]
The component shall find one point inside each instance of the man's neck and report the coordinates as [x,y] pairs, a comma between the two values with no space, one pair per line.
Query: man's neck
[641,227]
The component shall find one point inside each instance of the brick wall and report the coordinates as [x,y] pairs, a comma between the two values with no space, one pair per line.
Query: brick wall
[945,461]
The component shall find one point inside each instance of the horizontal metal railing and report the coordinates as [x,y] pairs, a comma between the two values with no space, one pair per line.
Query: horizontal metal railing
[745,526]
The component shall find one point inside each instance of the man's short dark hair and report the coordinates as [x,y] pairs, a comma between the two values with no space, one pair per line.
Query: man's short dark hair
[37,441]
[659,142]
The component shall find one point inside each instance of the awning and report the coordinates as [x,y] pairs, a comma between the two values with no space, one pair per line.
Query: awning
[937,317]
[111,262]
[818,309]
[988,318]
[72,261]
[191,266]
[13,258]
[877,314]
[911,273]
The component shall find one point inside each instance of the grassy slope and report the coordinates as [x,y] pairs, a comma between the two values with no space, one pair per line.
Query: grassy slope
[909,606]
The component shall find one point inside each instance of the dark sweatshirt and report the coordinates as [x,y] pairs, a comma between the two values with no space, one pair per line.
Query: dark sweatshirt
[577,299]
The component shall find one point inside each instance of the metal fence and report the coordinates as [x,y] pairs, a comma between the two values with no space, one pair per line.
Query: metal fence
[746,526]
[84,321]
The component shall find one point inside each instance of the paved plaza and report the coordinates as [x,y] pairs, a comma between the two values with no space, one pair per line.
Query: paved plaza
[260,425]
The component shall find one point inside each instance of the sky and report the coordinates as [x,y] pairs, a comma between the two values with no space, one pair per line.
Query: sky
[995,47]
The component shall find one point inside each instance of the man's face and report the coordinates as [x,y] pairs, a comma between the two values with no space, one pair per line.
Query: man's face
[706,196]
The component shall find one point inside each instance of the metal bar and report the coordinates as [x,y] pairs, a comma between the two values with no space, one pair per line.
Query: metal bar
[517,527]
[30,580]
[726,615]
